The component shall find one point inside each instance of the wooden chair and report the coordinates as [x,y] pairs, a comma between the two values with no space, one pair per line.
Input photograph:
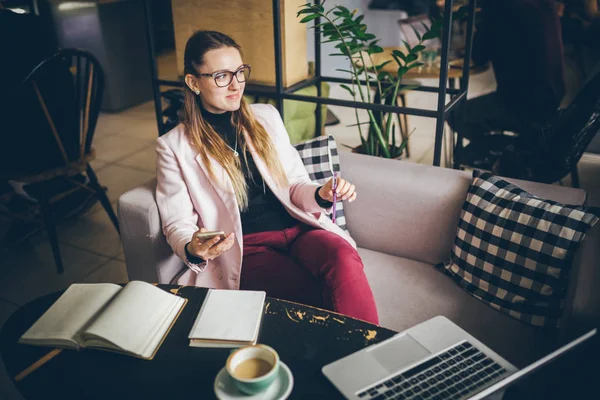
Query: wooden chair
[64,92]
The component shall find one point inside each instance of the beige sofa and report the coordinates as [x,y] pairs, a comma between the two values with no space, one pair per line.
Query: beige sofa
[404,222]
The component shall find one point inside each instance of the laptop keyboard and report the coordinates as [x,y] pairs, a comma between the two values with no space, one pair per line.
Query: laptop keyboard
[453,374]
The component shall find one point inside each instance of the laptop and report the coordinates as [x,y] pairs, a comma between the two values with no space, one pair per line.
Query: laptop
[433,360]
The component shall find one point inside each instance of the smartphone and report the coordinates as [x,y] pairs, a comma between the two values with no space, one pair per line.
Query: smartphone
[209,235]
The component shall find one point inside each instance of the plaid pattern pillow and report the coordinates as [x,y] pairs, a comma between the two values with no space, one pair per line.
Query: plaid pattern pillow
[321,159]
[514,251]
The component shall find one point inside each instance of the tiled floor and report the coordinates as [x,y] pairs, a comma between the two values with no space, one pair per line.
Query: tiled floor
[125,149]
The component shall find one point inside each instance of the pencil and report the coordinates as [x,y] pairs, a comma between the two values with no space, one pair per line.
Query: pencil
[49,356]
[334,189]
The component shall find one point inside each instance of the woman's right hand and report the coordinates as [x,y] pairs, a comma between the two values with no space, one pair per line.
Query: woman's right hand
[210,249]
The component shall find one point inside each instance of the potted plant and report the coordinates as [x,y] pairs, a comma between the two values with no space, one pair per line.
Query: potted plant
[345,28]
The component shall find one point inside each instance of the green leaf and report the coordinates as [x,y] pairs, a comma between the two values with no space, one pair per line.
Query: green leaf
[417,34]
[375,50]
[371,148]
[411,57]
[344,70]
[380,139]
[434,31]
[383,64]
[359,123]
[407,45]
[343,27]
[399,54]
[308,18]
[359,19]
[343,50]
[369,36]
[403,145]
[304,11]
[353,44]
[429,35]
[415,65]
[397,59]
[319,25]
[348,89]
[418,48]
[382,76]
[344,10]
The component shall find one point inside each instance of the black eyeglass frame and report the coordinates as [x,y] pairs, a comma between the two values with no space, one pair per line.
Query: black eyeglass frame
[233,74]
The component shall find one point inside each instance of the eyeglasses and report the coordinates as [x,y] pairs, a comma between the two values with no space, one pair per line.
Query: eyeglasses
[224,78]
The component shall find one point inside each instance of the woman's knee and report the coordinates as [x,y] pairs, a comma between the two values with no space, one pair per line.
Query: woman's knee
[347,257]
[343,262]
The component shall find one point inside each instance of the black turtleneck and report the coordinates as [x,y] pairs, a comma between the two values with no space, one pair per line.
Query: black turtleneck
[265,212]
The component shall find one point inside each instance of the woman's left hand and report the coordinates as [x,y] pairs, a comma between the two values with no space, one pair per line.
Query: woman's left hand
[345,190]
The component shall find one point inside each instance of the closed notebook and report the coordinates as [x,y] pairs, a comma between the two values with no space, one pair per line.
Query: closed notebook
[132,320]
[228,318]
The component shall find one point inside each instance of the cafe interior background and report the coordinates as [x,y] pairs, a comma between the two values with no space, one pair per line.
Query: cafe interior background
[124,140]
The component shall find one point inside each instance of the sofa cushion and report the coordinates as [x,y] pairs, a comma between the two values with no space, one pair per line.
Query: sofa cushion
[320,158]
[513,250]
[408,292]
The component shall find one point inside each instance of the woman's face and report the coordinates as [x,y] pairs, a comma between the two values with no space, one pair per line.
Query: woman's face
[216,99]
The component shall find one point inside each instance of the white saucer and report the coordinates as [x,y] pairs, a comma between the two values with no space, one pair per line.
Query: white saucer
[280,388]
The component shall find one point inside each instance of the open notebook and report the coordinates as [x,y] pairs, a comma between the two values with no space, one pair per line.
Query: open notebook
[228,318]
[133,320]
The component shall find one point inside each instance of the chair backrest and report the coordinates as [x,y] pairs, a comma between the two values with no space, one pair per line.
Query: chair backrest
[573,130]
[62,97]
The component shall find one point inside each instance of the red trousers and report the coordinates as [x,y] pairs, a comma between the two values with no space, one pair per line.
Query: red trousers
[309,266]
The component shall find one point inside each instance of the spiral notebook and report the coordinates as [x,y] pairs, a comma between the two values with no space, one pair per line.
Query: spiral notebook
[228,318]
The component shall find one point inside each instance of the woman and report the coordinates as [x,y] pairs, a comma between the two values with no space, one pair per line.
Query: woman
[231,167]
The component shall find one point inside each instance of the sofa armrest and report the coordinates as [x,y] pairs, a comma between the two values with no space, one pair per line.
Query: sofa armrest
[582,304]
[147,254]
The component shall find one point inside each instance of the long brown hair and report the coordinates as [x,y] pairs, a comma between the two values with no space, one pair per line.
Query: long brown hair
[207,141]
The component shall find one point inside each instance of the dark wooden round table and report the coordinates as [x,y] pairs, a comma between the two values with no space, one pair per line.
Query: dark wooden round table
[306,339]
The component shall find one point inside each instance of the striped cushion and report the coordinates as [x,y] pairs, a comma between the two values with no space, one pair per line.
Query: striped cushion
[514,251]
[321,159]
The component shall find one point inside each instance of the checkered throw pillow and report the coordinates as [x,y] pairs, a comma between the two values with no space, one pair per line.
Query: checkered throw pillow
[514,251]
[321,159]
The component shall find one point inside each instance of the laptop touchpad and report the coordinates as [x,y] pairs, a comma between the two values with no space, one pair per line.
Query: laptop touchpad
[398,353]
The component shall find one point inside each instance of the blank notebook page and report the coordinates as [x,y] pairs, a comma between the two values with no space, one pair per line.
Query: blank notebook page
[229,315]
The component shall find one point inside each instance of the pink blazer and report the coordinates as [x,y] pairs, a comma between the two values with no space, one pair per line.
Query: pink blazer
[188,199]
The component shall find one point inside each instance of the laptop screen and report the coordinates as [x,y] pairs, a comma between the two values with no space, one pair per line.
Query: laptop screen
[574,357]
